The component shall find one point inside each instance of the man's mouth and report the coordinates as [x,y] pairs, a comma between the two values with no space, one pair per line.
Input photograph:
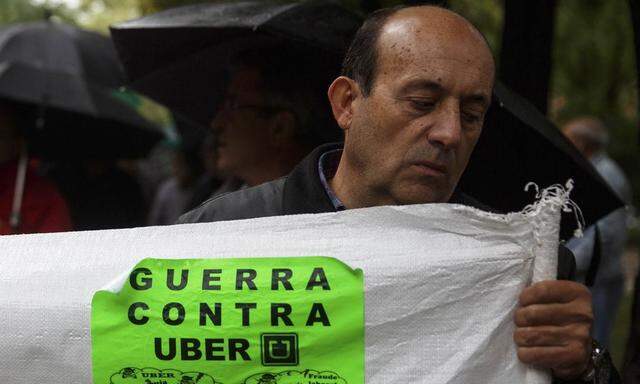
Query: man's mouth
[429,168]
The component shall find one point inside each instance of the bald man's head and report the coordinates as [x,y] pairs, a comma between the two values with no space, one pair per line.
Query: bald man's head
[417,84]
[362,58]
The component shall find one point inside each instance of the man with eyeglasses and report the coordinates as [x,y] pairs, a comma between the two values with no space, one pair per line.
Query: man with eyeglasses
[272,115]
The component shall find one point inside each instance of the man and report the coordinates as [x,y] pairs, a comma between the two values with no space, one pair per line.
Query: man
[416,84]
[590,136]
[272,115]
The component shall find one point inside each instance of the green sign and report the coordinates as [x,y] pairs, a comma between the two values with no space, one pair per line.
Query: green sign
[296,320]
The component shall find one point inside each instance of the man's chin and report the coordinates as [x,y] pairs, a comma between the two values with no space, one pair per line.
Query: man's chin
[423,195]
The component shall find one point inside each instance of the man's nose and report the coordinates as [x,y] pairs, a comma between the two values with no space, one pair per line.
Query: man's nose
[446,132]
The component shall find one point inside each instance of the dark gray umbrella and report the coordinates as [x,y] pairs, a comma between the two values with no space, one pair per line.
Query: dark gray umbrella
[179,56]
[67,80]
[151,43]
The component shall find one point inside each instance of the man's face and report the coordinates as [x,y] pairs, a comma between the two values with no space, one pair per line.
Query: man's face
[413,135]
[240,125]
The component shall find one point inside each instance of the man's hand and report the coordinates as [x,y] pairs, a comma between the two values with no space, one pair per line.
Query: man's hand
[553,327]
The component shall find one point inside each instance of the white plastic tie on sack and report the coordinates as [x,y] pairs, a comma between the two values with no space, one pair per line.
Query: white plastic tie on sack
[554,196]
[557,195]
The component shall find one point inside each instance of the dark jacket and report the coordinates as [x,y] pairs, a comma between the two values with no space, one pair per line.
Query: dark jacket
[302,192]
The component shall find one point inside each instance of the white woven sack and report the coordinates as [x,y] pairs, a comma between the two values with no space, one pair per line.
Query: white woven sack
[442,283]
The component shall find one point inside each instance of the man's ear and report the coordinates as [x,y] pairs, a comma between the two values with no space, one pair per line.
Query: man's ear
[282,128]
[342,93]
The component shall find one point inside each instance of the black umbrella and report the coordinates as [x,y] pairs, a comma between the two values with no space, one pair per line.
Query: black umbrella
[67,80]
[179,56]
[518,144]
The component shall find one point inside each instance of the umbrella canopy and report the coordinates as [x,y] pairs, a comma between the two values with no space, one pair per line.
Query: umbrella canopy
[179,56]
[518,144]
[69,79]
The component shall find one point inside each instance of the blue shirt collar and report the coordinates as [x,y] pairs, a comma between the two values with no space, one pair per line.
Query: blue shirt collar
[327,167]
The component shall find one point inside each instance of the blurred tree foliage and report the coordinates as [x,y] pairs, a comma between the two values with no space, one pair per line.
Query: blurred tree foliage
[487,15]
[593,56]
[22,10]
[14,10]
[91,14]
[99,14]
[594,53]
[152,6]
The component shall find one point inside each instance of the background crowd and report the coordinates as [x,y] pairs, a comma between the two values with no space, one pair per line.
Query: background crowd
[577,67]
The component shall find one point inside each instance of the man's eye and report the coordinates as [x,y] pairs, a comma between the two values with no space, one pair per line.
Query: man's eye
[422,105]
[471,118]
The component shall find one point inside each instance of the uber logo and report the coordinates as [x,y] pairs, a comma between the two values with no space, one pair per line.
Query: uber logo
[279,349]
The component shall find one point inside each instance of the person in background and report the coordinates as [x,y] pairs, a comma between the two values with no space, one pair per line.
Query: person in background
[29,202]
[175,194]
[590,137]
[151,171]
[209,183]
[273,113]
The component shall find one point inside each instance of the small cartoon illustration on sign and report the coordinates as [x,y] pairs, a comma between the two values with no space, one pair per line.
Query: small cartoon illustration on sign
[128,372]
[131,375]
[308,376]
[267,378]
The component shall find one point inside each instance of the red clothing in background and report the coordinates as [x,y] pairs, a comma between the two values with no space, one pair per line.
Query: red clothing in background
[43,209]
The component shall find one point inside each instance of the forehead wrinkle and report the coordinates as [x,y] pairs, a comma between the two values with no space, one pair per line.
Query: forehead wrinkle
[436,70]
